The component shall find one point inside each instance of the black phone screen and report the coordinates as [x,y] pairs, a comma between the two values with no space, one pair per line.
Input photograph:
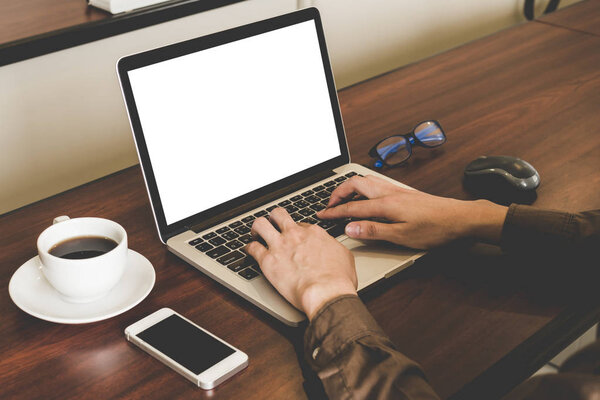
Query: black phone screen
[185,344]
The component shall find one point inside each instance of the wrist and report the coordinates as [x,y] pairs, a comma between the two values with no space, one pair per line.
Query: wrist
[317,295]
[485,220]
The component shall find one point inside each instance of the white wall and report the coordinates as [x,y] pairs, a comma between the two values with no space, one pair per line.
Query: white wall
[62,118]
[367,38]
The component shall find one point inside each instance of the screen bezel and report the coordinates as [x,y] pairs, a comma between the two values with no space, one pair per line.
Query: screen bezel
[128,63]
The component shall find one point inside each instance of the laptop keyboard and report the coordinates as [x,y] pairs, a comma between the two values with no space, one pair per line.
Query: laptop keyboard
[225,244]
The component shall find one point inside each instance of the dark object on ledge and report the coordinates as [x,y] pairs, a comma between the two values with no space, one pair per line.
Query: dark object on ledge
[529,8]
[502,179]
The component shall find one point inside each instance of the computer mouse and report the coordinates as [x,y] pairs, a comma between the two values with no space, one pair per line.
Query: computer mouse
[503,179]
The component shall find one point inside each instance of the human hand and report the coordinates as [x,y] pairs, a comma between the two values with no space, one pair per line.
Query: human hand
[416,219]
[303,262]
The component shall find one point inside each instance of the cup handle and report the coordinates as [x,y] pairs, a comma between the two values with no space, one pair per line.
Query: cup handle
[60,219]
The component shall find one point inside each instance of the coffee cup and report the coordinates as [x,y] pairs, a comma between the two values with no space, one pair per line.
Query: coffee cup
[83,258]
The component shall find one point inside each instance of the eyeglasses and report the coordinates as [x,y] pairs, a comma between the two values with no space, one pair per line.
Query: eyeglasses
[396,149]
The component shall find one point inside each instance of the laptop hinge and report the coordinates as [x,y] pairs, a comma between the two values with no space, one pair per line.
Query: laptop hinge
[224,216]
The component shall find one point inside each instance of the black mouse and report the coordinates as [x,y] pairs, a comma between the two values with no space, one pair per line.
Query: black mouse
[503,179]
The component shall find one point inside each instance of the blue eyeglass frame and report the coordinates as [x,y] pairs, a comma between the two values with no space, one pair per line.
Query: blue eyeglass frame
[411,139]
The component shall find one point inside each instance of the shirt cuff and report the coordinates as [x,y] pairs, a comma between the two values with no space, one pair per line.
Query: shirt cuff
[339,322]
[528,228]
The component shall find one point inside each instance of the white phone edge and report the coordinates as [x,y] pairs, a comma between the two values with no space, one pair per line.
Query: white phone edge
[208,379]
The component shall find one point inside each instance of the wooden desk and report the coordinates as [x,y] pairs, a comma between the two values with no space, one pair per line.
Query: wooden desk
[581,17]
[467,316]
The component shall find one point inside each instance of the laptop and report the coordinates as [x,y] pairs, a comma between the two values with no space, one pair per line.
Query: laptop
[231,125]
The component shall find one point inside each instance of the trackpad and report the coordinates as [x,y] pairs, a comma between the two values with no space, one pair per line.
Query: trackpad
[376,259]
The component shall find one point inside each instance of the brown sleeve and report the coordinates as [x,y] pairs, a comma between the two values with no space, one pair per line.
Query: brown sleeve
[530,229]
[356,360]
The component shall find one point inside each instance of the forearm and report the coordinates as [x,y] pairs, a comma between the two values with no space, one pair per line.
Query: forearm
[355,359]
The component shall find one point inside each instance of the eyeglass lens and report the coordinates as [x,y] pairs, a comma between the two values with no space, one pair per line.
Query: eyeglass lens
[430,134]
[393,150]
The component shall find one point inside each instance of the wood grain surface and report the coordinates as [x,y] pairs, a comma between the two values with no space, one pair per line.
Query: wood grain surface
[581,17]
[467,314]
[26,18]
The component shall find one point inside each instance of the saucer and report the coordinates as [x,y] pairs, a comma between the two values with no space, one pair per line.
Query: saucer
[32,293]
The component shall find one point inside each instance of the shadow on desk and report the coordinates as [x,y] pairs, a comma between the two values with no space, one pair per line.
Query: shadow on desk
[477,293]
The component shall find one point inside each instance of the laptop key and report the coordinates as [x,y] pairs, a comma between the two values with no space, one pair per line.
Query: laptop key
[222,230]
[242,230]
[239,265]
[249,218]
[307,193]
[247,261]
[296,217]
[330,183]
[309,220]
[296,198]
[318,207]
[248,273]
[301,204]
[231,257]
[235,224]
[261,213]
[216,241]
[217,252]
[350,174]
[229,235]
[245,239]
[204,247]
[318,188]
[326,224]
[307,212]
[336,230]
[340,179]
[271,208]
[284,203]
[196,241]
[291,209]
[209,236]
[313,199]
[235,244]
[323,194]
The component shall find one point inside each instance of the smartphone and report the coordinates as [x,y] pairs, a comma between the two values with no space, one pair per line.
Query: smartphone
[190,350]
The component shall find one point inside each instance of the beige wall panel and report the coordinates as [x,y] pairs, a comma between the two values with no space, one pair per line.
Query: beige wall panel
[367,38]
[62,117]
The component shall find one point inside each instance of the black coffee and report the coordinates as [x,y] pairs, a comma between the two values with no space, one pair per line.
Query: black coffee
[83,247]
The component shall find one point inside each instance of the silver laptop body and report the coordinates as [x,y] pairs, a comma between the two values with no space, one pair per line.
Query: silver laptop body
[229,126]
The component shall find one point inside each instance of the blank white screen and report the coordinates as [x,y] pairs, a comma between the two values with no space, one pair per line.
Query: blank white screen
[224,121]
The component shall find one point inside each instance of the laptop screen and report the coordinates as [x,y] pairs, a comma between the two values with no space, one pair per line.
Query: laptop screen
[227,120]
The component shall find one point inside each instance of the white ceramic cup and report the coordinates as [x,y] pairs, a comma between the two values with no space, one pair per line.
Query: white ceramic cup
[89,279]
